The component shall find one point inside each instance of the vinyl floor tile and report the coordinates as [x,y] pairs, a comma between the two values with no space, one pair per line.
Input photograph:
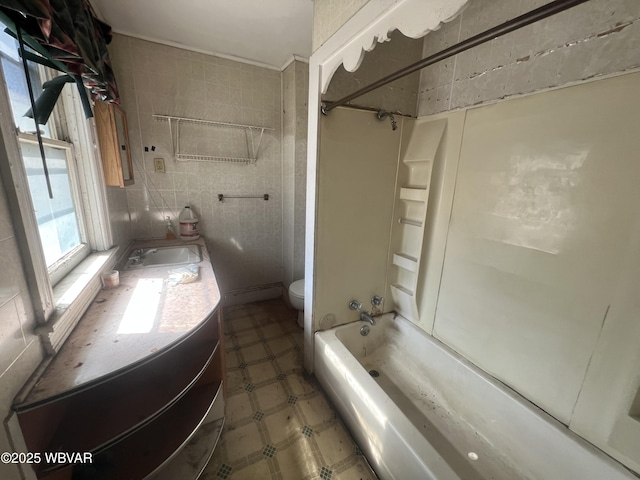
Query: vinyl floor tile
[279,424]
[271,396]
[262,372]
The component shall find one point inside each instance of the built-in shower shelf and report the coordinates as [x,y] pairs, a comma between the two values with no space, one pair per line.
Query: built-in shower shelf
[405,261]
[404,301]
[409,221]
[420,145]
[402,290]
[418,160]
[414,194]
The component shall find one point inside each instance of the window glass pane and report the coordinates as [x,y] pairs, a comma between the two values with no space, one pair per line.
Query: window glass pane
[17,83]
[57,218]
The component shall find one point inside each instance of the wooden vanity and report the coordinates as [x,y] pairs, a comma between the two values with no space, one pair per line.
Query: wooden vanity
[139,383]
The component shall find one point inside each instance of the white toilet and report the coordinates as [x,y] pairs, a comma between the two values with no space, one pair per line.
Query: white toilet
[296,297]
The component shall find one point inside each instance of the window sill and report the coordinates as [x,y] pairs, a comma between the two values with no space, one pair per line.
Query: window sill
[72,296]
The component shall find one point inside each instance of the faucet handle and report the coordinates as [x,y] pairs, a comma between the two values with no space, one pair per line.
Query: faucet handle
[355,305]
[377,300]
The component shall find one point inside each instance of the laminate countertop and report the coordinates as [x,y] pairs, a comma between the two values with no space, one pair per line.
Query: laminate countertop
[130,324]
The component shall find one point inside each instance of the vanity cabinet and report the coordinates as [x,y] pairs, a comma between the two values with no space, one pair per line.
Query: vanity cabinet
[111,125]
[146,401]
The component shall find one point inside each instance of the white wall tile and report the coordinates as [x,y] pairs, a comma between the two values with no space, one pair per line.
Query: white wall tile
[12,341]
[330,15]
[12,280]
[595,38]
[176,82]
[20,349]
[6,228]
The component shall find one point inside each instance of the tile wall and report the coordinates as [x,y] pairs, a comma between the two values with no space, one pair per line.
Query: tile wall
[20,349]
[300,173]
[295,80]
[385,58]
[288,169]
[244,234]
[330,15]
[592,39]
[119,217]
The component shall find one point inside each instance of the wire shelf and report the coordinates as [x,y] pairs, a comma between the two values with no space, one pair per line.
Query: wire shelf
[251,131]
[210,122]
[186,157]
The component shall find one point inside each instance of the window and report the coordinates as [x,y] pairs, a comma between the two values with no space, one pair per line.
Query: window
[59,219]
[16,83]
[60,231]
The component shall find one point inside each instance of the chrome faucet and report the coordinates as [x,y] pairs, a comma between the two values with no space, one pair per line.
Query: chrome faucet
[138,255]
[135,259]
[355,305]
[365,317]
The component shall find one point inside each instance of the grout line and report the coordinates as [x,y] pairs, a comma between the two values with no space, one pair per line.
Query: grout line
[455,63]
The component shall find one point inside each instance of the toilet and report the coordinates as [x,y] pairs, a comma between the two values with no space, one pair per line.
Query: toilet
[296,297]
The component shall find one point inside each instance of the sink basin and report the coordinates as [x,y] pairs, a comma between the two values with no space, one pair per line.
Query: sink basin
[163,256]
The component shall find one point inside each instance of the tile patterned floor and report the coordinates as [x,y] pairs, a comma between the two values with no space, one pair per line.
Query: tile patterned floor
[279,424]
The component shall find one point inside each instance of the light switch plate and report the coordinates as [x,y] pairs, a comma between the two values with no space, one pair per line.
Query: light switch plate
[158,165]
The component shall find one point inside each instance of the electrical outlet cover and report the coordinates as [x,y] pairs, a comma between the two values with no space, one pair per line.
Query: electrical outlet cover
[158,164]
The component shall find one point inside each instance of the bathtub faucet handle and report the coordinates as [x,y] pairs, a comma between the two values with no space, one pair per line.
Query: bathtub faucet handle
[355,305]
[377,300]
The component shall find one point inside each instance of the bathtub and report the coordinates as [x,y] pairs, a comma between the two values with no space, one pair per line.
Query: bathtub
[424,412]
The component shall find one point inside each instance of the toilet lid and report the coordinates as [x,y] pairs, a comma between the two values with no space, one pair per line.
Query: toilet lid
[297,288]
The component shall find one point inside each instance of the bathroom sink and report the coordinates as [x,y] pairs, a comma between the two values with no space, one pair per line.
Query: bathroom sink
[161,256]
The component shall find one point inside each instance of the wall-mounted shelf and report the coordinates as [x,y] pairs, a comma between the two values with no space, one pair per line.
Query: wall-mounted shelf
[408,221]
[414,194]
[405,261]
[252,135]
[419,148]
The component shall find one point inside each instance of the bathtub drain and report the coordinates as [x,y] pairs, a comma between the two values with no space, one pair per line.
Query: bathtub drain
[374,373]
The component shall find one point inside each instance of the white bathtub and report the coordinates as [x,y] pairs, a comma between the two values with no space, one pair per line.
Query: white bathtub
[430,414]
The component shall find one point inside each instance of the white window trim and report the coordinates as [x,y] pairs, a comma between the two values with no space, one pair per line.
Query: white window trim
[22,208]
[70,260]
[83,135]
[59,309]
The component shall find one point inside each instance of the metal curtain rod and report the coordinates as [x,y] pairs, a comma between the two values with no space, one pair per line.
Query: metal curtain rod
[528,18]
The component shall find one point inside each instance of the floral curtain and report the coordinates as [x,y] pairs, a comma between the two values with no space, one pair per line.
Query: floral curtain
[70,36]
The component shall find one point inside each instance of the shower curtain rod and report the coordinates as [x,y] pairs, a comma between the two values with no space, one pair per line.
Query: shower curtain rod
[523,20]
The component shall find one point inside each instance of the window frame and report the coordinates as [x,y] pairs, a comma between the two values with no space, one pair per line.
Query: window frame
[67,262]
[93,208]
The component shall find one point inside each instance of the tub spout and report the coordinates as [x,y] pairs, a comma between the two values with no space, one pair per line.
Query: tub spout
[365,317]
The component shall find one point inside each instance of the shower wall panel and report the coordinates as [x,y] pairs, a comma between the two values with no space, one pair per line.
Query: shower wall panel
[535,285]
[357,167]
